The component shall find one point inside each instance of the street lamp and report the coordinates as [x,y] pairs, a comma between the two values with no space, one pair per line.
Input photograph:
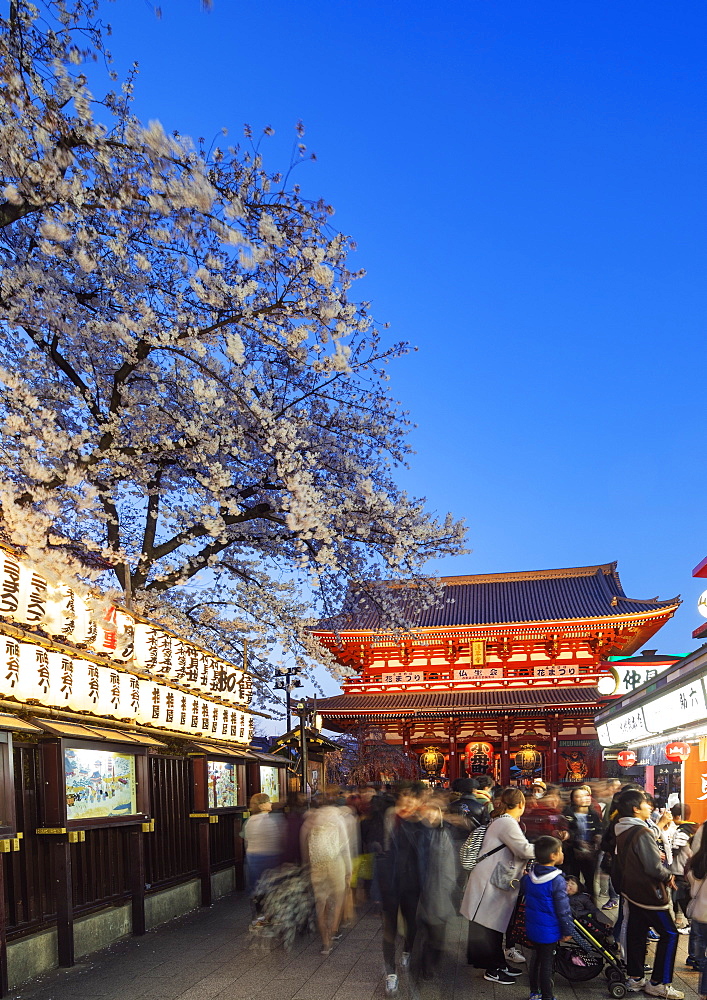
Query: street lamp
[289,680]
[311,717]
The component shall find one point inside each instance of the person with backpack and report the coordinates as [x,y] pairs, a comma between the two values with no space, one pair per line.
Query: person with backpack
[471,810]
[645,884]
[492,889]
[681,833]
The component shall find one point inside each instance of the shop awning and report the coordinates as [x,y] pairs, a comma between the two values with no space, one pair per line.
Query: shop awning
[270,758]
[242,754]
[17,725]
[72,730]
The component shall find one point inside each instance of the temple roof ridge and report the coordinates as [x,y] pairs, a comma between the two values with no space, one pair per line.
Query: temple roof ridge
[572,593]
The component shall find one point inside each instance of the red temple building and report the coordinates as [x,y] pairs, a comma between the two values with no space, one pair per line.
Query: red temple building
[499,676]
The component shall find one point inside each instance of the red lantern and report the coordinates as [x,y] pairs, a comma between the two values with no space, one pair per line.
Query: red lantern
[677,750]
[479,757]
[627,758]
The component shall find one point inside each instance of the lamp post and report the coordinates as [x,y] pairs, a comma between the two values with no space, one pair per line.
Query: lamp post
[288,680]
[306,716]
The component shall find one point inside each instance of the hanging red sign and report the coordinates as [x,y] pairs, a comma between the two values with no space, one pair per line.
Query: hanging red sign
[627,758]
[678,750]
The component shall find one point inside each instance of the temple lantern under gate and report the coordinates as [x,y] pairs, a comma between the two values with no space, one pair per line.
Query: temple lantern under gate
[528,760]
[478,757]
[432,762]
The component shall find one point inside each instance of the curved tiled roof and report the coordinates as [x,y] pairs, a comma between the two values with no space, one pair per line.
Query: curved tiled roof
[411,702]
[541,595]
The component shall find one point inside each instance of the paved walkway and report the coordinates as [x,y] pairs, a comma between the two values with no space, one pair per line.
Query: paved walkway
[209,955]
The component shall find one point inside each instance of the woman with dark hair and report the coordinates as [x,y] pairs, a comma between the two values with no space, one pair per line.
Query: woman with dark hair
[696,875]
[582,846]
[492,889]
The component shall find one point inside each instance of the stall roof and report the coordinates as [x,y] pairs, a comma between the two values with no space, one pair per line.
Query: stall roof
[270,758]
[57,727]
[223,751]
[120,734]
[12,722]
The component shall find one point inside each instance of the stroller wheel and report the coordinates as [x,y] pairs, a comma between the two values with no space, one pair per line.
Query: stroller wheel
[614,975]
[617,990]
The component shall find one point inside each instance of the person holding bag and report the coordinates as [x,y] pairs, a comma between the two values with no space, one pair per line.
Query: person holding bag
[492,890]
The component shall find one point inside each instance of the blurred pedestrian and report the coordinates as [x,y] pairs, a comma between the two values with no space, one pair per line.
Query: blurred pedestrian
[581,848]
[263,837]
[324,842]
[437,898]
[401,871]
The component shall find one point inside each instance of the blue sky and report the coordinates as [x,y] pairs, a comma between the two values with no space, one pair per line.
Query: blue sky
[525,182]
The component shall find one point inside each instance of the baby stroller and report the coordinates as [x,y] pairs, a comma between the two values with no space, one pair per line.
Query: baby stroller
[285,905]
[594,953]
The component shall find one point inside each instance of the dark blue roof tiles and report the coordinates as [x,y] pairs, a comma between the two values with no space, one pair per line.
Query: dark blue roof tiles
[446,701]
[545,595]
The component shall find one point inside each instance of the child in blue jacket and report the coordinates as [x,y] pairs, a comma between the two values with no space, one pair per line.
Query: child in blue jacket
[548,918]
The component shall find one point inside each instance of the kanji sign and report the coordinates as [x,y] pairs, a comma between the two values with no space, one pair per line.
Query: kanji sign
[626,758]
[30,673]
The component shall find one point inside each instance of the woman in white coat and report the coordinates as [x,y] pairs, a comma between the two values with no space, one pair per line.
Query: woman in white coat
[488,908]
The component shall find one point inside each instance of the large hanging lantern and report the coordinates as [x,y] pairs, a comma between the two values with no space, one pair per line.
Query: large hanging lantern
[432,761]
[478,757]
[528,759]
[677,750]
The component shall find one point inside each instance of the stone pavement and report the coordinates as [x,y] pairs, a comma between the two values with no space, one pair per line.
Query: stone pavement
[209,955]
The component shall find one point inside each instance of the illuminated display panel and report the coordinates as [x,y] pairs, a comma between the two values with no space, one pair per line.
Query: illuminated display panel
[99,784]
[270,782]
[223,784]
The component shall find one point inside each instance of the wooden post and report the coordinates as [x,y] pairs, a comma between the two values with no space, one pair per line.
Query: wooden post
[200,816]
[205,861]
[136,842]
[61,856]
[238,851]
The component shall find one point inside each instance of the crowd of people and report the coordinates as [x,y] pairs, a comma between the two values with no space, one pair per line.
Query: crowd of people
[423,855]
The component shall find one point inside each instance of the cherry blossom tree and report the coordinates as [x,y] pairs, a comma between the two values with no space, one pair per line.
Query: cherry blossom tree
[189,388]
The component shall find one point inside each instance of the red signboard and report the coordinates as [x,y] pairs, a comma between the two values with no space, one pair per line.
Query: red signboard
[627,758]
[677,750]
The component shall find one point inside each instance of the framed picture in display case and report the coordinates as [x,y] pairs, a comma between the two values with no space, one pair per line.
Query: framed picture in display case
[270,781]
[223,784]
[8,823]
[99,782]
[219,778]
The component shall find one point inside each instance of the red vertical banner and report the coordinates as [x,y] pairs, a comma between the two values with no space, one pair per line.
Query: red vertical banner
[649,782]
[695,785]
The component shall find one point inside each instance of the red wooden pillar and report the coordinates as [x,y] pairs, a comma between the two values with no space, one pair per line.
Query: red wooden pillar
[453,769]
[406,733]
[553,763]
[505,751]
